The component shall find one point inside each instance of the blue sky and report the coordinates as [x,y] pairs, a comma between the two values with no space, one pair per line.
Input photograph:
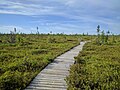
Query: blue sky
[58,16]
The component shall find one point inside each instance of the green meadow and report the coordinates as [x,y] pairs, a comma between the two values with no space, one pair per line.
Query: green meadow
[23,56]
[97,67]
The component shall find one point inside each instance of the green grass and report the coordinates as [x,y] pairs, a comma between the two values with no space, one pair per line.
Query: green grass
[97,67]
[20,62]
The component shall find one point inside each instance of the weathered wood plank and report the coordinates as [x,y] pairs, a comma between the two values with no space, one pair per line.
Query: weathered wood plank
[52,77]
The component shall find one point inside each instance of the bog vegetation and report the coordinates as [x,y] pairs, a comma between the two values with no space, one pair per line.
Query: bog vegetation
[97,67]
[23,56]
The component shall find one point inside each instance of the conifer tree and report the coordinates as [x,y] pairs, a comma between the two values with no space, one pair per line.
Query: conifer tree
[103,37]
[106,38]
[98,31]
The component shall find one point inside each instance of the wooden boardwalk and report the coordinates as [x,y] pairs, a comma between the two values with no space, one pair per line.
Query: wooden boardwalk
[52,77]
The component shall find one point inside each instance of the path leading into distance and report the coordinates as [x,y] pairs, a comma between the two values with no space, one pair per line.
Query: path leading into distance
[52,77]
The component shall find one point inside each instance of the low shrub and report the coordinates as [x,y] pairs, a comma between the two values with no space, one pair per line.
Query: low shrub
[96,68]
[22,60]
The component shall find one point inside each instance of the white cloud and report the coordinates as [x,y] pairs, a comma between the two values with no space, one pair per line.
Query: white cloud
[23,8]
[8,28]
[59,7]
[74,11]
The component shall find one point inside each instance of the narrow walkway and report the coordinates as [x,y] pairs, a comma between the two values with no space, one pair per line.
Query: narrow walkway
[52,77]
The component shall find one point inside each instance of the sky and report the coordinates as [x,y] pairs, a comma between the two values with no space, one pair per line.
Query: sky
[60,16]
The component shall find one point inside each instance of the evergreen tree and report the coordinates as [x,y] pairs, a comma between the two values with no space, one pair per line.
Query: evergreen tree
[37,31]
[103,37]
[106,38]
[98,31]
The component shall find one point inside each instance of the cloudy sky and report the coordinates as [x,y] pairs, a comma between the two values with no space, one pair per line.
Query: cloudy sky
[58,16]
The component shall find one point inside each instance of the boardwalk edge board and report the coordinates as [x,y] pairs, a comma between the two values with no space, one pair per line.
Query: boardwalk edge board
[53,76]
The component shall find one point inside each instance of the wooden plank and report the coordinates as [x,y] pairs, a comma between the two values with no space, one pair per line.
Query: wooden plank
[52,77]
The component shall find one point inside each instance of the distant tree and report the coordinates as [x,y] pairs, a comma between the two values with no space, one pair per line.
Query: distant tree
[15,30]
[102,37]
[106,38]
[50,32]
[37,31]
[98,29]
[37,28]
[98,36]
[108,32]
[13,36]
[83,34]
